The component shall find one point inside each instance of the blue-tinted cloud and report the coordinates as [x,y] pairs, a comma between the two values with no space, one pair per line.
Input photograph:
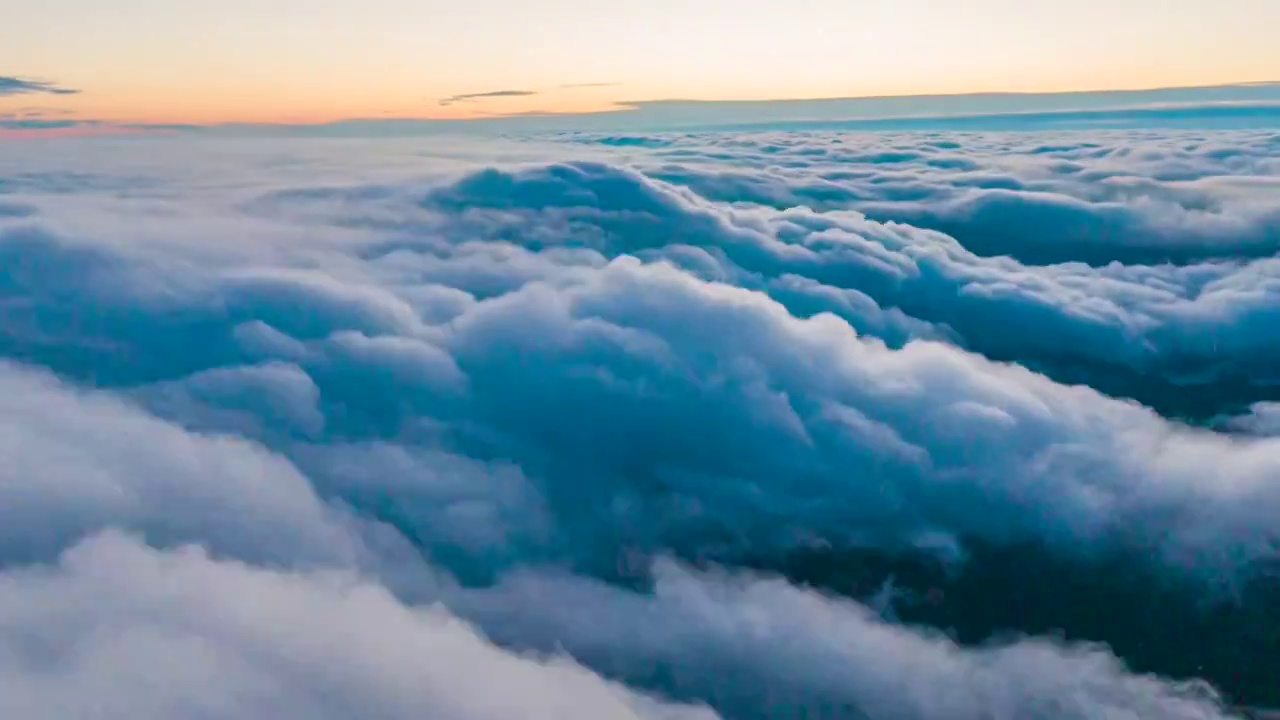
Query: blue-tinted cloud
[763,648]
[22,86]
[1159,333]
[1120,196]
[43,124]
[1261,419]
[520,388]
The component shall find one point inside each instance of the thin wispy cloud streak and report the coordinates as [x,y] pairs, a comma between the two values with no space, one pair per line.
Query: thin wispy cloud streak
[484,95]
[19,86]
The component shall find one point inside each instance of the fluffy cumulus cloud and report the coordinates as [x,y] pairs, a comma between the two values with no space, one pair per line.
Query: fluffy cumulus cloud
[737,425]
[1128,197]
[117,630]
[1184,338]
[758,646]
[75,462]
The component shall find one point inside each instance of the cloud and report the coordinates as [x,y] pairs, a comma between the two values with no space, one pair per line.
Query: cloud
[496,299]
[35,113]
[21,86]
[1149,202]
[726,441]
[121,628]
[705,116]
[43,124]
[77,462]
[1158,333]
[551,383]
[761,648]
[1262,419]
[117,629]
[493,94]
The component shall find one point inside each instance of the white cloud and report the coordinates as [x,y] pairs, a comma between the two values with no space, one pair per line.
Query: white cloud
[763,648]
[117,630]
[75,462]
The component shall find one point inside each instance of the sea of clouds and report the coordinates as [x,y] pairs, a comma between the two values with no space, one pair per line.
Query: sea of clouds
[921,425]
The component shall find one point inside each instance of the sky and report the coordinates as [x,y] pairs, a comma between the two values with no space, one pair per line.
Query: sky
[290,61]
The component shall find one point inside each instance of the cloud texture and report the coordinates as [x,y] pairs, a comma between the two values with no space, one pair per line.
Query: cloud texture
[736,425]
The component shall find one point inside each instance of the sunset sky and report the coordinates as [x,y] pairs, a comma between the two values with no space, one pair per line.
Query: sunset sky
[313,61]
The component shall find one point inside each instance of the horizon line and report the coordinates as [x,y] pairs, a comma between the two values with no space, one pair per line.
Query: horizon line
[635,108]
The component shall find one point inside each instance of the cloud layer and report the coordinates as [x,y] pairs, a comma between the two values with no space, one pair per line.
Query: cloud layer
[603,417]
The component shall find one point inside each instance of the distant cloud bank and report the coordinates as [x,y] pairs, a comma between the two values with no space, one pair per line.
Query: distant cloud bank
[1232,106]
[1243,106]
